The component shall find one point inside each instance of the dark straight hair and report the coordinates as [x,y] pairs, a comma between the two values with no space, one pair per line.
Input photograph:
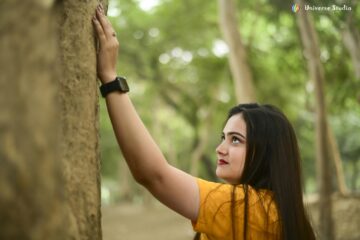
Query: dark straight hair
[273,162]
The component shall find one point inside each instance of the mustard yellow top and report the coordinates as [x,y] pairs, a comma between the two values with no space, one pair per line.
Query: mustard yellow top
[215,222]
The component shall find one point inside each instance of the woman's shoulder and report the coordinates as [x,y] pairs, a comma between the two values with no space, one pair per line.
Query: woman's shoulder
[219,200]
[239,189]
[257,199]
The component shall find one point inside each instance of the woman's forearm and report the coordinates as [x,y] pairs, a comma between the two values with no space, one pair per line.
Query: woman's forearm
[141,153]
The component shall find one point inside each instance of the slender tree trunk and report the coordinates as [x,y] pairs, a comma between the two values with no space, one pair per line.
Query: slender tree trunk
[355,174]
[316,72]
[79,115]
[351,39]
[32,201]
[209,167]
[201,140]
[334,148]
[200,144]
[241,72]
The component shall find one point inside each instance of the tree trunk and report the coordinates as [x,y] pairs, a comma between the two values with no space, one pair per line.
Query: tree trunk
[38,201]
[201,141]
[209,167]
[197,152]
[334,148]
[239,66]
[32,201]
[79,115]
[351,39]
[316,72]
[355,173]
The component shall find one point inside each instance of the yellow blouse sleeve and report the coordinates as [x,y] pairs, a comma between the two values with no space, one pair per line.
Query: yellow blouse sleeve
[214,218]
[217,214]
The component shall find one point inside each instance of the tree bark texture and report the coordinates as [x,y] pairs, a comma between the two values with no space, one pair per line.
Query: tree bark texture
[79,115]
[240,69]
[316,72]
[32,200]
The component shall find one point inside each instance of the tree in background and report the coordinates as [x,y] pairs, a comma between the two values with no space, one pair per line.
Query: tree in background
[316,73]
[240,69]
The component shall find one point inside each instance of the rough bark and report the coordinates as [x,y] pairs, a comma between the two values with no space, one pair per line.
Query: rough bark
[32,200]
[79,116]
[240,69]
[316,73]
[50,182]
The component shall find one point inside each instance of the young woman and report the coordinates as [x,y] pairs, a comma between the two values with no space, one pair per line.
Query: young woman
[258,158]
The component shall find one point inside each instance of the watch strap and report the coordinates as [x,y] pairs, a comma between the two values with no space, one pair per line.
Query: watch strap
[118,84]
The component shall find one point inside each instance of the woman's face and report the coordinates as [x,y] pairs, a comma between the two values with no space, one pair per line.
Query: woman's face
[231,151]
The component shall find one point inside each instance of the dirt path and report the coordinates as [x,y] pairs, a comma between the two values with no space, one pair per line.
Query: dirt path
[134,222]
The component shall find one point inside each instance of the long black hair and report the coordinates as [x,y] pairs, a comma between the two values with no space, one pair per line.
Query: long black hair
[273,162]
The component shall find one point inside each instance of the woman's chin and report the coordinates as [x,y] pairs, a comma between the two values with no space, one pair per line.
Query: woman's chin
[218,173]
[221,175]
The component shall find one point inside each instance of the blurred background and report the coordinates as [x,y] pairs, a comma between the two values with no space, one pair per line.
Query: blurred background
[187,63]
[178,58]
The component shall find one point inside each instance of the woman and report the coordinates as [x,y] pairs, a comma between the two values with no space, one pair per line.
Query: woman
[258,158]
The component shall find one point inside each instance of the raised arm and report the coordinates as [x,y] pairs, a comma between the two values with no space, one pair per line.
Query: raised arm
[173,187]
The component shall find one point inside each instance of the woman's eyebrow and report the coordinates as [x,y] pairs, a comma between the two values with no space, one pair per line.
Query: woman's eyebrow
[235,133]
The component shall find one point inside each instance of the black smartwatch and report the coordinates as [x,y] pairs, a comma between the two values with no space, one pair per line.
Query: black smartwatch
[119,84]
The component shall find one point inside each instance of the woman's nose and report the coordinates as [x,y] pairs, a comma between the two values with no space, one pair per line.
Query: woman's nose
[221,149]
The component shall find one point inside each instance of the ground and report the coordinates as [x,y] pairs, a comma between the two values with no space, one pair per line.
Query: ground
[346,215]
[135,222]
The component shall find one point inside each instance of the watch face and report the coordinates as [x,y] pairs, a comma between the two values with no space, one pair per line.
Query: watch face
[123,84]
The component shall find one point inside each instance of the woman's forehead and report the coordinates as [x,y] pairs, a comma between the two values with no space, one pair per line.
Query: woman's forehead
[236,123]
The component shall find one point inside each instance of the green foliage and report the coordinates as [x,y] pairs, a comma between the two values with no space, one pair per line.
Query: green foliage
[179,81]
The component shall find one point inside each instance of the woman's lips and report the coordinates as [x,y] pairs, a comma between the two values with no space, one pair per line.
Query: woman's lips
[222,162]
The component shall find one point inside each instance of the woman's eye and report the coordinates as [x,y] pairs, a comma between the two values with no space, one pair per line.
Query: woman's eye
[235,140]
[222,138]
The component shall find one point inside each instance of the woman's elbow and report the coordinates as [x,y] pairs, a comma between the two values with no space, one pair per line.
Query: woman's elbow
[149,179]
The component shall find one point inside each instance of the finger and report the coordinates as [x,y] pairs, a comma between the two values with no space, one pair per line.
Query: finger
[99,30]
[108,30]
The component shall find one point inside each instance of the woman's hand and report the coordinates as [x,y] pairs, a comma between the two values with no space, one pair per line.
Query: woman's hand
[108,46]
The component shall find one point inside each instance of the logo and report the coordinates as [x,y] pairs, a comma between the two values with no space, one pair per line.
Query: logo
[295,8]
